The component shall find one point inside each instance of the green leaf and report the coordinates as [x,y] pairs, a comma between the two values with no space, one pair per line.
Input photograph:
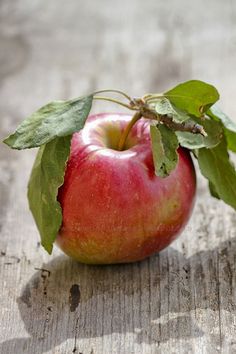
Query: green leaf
[216,167]
[164,148]
[216,112]
[231,140]
[46,177]
[56,119]
[195,141]
[193,97]
[163,106]
[229,126]
[213,190]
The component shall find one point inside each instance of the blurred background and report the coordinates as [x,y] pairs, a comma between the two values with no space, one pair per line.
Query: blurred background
[52,49]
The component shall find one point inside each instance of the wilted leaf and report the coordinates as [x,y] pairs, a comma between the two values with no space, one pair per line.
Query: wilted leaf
[164,148]
[56,119]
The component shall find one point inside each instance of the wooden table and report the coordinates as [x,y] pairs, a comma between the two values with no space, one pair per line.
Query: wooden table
[182,300]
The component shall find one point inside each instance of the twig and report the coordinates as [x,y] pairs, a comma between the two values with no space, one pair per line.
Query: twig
[188,126]
[191,126]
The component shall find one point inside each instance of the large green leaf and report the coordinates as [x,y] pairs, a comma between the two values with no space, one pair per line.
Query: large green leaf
[216,167]
[193,97]
[195,141]
[56,119]
[229,126]
[163,106]
[164,148]
[46,177]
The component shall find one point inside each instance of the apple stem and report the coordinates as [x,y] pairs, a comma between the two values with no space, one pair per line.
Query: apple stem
[127,130]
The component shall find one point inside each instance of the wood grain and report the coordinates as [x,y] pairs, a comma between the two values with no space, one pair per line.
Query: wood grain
[180,301]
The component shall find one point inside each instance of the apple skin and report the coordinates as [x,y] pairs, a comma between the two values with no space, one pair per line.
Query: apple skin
[115,209]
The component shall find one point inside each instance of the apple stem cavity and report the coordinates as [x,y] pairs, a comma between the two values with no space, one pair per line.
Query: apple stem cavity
[126,132]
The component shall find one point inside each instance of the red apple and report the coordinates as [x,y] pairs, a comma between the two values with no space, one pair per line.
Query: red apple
[115,209]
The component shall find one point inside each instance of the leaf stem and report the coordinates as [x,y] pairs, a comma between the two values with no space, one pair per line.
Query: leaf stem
[153,99]
[148,97]
[126,132]
[109,99]
[116,91]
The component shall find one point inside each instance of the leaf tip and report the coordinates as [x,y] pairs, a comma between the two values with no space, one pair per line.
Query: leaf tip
[6,141]
[11,142]
[48,247]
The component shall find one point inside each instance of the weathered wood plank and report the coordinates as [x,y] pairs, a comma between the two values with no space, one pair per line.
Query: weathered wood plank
[180,301]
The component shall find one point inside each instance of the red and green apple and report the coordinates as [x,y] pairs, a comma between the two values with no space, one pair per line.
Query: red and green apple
[115,209]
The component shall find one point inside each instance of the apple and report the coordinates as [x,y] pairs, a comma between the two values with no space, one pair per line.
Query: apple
[115,209]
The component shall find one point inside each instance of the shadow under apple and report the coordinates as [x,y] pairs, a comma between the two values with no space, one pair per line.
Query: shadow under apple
[65,299]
